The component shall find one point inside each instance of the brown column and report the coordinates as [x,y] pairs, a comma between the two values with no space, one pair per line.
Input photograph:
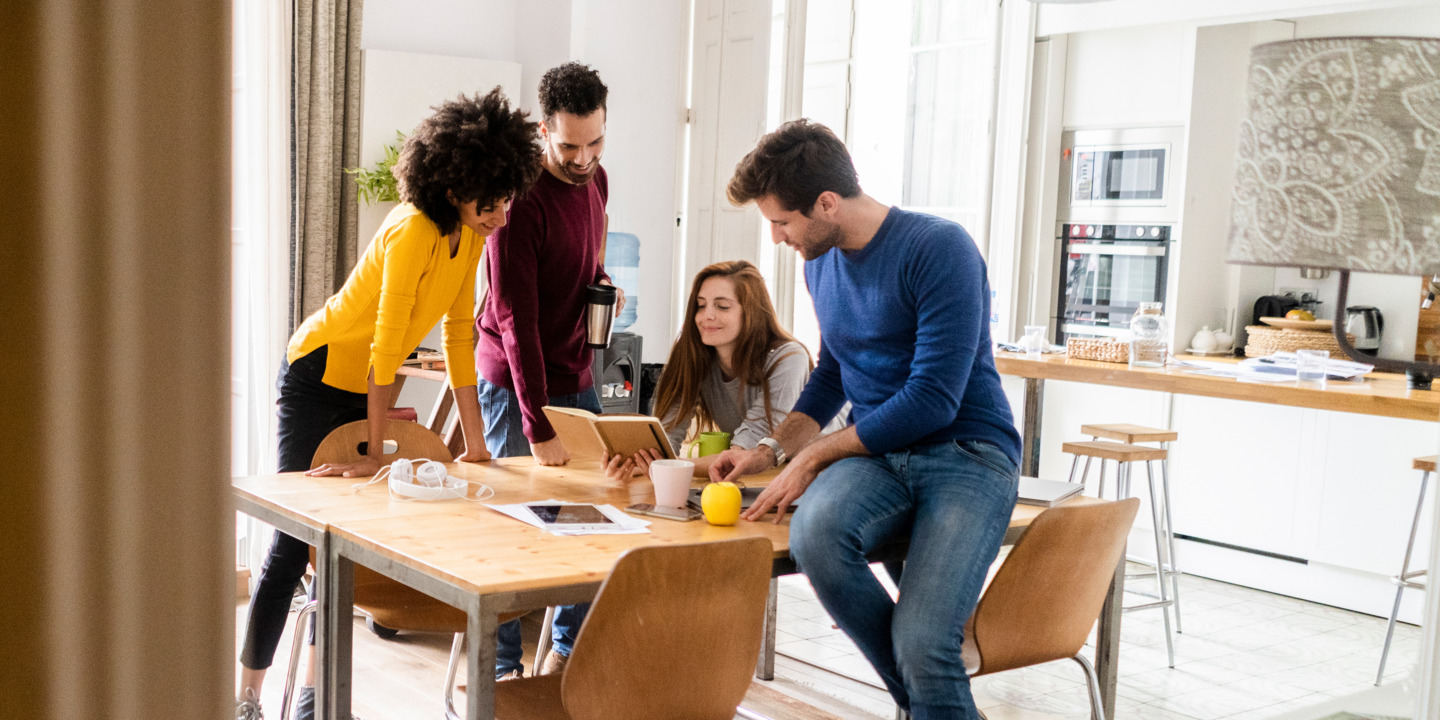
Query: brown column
[116,528]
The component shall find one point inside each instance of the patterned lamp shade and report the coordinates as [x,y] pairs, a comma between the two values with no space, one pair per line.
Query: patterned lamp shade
[1339,158]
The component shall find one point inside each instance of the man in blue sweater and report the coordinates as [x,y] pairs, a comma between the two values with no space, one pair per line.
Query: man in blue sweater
[931,452]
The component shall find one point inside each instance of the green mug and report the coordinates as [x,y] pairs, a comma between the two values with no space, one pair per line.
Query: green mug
[712,443]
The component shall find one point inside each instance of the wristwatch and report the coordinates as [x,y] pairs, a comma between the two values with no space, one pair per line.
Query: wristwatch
[774,446]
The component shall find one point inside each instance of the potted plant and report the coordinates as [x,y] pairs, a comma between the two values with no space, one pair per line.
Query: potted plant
[378,185]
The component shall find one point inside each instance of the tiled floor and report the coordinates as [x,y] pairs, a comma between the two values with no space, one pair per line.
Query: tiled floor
[1244,655]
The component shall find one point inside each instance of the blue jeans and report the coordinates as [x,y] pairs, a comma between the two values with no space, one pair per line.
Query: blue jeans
[952,500]
[505,437]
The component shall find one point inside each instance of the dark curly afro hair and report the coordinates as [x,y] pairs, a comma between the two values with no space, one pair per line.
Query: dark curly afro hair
[474,148]
[571,88]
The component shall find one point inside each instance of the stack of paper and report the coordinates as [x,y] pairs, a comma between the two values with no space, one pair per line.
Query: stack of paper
[614,522]
[1284,363]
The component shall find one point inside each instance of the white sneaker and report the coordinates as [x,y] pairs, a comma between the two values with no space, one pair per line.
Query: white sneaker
[247,706]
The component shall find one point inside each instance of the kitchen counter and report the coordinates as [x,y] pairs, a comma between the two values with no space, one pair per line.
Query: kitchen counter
[1382,394]
[1300,489]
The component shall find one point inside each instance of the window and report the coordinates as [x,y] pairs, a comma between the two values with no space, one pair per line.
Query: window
[924,144]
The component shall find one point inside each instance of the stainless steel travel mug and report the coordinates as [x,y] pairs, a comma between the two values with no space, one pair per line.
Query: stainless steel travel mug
[599,315]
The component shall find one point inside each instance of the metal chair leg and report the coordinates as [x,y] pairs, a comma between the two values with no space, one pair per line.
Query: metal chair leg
[296,643]
[457,650]
[1155,520]
[1074,461]
[1402,579]
[543,646]
[1092,681]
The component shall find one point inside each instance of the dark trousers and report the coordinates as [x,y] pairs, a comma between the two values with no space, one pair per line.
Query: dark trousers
[307,410]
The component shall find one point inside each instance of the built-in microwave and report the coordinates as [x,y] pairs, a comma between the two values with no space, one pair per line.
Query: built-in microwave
[1121,175]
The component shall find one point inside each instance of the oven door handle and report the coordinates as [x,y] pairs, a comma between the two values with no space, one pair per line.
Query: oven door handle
[1097,249]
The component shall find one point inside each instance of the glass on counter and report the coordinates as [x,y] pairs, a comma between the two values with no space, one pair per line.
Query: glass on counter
[1148,332]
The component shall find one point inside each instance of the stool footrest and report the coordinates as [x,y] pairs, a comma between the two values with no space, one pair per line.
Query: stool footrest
[1149,606]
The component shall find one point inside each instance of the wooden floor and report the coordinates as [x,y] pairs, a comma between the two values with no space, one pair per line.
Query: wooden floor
[403,678]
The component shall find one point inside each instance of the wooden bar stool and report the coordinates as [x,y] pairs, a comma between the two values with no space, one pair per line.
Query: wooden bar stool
[1125,455]
[1137,435]
[1406,578]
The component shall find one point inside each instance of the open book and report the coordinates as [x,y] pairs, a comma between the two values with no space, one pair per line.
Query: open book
[586,434]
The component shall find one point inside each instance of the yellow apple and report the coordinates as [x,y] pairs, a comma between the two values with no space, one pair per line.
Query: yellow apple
[721,503]
[1299,314]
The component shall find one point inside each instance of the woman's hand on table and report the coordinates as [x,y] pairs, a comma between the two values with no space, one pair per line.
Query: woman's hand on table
[479,454]
[365,467]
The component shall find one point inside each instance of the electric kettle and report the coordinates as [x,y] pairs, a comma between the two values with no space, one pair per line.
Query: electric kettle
[1366,324]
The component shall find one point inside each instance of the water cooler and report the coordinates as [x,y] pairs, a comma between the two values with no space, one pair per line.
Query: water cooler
[617,374]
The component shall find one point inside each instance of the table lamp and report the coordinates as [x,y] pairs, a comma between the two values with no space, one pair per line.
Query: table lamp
[1338,166]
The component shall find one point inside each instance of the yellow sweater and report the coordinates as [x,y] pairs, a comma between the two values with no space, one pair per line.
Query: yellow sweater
[403,285]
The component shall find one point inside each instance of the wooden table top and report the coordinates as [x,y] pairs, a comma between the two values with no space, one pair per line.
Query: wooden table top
[1382,394]
[485,552]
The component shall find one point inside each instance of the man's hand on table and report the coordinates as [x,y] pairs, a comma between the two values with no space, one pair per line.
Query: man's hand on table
[786,488]
[365,467]
[550,452]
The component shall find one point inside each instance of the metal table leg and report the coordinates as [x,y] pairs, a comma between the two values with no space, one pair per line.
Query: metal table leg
[1030,430]
[480,659]
[1107,641]
[336,595]
[765,665]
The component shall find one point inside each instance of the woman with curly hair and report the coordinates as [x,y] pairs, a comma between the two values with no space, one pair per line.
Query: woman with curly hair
[456,174]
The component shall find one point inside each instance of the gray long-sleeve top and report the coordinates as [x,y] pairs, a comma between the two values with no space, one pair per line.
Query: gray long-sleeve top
[788,368]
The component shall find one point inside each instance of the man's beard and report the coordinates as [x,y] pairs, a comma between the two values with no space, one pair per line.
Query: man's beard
[819,241]
[567,171]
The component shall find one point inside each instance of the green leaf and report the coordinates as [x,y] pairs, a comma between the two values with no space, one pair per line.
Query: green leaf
[379,185]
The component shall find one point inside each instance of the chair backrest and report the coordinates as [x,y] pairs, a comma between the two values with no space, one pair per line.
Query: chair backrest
[388,602]
[412,441]
[1050,589]
[673,633]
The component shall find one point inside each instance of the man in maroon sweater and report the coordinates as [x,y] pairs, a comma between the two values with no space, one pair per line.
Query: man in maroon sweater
[531,351]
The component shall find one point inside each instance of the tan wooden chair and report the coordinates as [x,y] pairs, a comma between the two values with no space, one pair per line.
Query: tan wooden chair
[389,603]
[673,633]
[1049,591]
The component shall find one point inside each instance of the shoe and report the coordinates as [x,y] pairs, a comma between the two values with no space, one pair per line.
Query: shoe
[247,706]
[305,706]
[515,674]
[554,663]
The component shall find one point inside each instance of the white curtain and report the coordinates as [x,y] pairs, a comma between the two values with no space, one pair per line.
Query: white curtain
[260,239]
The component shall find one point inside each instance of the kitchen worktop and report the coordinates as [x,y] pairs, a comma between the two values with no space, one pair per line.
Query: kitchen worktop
[1381,394]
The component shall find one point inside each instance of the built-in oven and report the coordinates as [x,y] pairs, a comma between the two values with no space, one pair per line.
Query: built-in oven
[1120,175]
[1107,270]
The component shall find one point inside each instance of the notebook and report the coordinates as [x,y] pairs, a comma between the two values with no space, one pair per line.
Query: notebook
[586,434]
[1046,493]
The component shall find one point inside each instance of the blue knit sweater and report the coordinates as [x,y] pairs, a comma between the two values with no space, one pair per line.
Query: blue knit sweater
[905,337]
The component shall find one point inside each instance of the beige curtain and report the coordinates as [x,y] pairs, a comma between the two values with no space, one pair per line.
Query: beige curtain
[116,526]
[327,141]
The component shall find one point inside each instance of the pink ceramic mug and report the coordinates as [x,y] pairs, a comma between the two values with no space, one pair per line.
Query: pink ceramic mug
[671,479]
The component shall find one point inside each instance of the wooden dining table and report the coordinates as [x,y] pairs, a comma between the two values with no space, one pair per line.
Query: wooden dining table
[486,563]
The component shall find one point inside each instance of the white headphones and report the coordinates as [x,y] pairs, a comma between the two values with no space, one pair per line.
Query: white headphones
[429,481]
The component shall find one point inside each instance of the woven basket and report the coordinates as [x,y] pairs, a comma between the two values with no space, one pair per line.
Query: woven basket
[1102,349]
[1264,340]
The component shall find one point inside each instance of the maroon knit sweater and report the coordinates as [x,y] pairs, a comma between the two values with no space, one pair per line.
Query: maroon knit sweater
[532,329]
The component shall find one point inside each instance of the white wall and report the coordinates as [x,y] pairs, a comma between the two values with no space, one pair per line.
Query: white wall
[1133,77]
[463,28]
[638,46]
